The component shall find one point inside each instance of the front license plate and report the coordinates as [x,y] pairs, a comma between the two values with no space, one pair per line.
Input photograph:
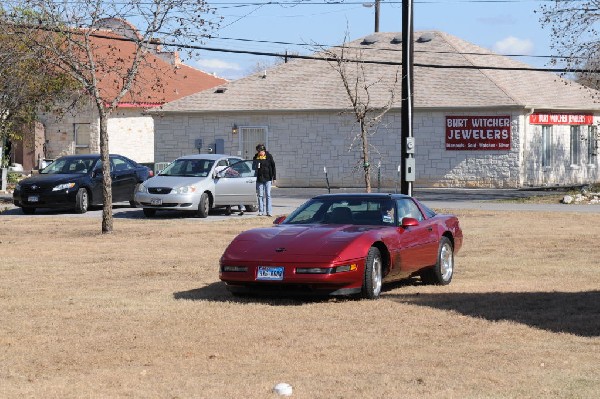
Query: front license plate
[269,273]
[33,198]
[155,201]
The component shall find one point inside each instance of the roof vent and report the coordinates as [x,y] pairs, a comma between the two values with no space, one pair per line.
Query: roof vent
[371,39]
[425,37]
[397,39]
[221,90]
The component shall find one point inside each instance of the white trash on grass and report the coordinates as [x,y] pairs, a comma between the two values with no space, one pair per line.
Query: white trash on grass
[283,389]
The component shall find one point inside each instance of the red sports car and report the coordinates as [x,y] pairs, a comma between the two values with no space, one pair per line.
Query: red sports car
[344,244]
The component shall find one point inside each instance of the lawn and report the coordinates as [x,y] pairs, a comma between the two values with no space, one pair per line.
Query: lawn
[141,313]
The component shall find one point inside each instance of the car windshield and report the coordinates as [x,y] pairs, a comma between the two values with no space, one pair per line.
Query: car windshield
[69,166]
[355,211]
[189,168]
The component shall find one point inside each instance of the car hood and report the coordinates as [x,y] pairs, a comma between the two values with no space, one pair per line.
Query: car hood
[306,240]
[174,181]
[53,179]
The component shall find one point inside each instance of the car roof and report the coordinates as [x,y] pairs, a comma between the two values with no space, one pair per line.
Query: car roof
[338,196]
[81,156]
[208,156]
[88,156]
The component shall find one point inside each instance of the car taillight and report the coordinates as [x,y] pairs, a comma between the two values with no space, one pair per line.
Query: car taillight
[150,173]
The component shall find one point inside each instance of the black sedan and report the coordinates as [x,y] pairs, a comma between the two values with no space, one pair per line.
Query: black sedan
[75,182]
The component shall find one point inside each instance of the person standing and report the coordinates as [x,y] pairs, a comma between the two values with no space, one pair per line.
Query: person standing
[264,165]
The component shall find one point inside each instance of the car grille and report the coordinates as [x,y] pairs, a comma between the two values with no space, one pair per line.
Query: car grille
[34,189]
[159,190]
[163,205]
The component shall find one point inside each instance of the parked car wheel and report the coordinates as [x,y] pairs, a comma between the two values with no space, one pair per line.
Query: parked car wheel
[149,212]
[28,211]
[131,200]
[82,201]
[251,208]
[203,206]
[441,273]
[373,274]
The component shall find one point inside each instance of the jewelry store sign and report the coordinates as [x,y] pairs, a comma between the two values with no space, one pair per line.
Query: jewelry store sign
[561,119]
[478,133]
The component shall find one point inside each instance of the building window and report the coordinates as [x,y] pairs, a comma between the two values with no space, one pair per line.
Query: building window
[82,138]
[575,145]
[546,146]
[592,145]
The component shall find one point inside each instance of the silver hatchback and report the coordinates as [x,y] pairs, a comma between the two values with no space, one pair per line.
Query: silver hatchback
[200,183]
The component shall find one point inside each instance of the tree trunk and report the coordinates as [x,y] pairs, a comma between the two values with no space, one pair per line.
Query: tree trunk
[107,217]
[365,154]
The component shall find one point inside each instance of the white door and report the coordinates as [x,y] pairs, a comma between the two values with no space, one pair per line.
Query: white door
[250,137]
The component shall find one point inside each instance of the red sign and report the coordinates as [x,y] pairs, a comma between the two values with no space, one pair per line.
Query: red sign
[478,133]
[561,119]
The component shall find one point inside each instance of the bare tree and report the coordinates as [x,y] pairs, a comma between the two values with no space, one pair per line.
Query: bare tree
[575,37]
[590,77]
[362,84]
[74,39]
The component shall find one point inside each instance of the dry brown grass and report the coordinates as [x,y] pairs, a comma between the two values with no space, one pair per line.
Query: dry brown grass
[141,313]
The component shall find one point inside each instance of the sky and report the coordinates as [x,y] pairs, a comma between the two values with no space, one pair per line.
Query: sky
[503,26]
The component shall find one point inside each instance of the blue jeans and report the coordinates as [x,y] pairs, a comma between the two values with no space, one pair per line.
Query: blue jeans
[263,191]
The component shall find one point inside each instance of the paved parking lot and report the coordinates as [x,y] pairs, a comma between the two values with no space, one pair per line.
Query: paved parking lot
[285,200]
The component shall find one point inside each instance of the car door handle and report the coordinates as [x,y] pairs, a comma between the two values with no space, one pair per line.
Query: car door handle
[430,228]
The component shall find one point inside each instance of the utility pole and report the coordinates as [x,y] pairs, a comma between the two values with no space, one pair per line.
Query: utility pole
[377,15]
[407,164]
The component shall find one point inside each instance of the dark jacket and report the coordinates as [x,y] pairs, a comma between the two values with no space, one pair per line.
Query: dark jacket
[265,168]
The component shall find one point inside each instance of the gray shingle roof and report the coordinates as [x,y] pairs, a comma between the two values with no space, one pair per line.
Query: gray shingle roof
[304,84]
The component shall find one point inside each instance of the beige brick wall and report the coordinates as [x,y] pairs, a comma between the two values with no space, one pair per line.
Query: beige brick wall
[303,143]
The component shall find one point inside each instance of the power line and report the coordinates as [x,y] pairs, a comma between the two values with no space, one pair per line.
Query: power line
[318,58]
[381,62]
[381,49]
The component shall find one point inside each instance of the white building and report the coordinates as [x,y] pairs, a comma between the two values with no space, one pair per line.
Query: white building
[480,119]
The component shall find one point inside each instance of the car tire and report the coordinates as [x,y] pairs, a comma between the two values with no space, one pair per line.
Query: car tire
[373,276]
[28,211]
[251,208]
[132,201]
[442,272]
[149,212]
[203,206]
[82,201]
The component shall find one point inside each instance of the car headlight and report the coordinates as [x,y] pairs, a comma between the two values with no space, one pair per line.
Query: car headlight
[64,186]
[186,190]
[142,189]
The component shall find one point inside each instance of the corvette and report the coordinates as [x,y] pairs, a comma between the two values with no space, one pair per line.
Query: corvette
[344,244]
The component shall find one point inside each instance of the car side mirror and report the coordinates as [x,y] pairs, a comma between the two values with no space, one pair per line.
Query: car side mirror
[97,172]
[409,222]
[279,219]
